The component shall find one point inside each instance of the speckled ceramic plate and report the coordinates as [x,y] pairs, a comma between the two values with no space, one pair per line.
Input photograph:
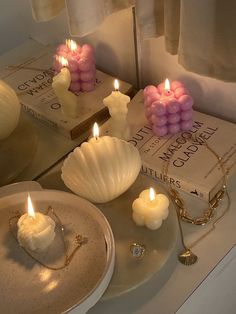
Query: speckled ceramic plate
[26,287]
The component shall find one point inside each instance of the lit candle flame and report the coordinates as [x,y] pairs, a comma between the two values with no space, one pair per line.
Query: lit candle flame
[152,194]
[167,85]
[31,212]
[71,44]
[116,85]
[95,130]
[63,61]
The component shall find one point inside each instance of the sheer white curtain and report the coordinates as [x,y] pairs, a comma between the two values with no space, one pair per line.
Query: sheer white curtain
[84,16]
[201,32]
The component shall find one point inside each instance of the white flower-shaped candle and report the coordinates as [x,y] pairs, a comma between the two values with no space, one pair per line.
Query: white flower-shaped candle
[35,230]
[150,209]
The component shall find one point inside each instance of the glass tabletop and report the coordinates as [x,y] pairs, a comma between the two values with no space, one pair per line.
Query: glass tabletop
[33,147]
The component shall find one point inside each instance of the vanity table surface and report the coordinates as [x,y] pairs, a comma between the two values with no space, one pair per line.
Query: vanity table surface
[207,287]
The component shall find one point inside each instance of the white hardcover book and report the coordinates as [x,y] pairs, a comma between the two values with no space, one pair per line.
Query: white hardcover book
[32,80]
[192,167]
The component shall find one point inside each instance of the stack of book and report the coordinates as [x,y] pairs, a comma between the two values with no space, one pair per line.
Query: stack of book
[192,167]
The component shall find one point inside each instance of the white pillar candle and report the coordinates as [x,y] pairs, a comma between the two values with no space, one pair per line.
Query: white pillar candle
[35,230]
[60,85]
[150,209]
[117,106]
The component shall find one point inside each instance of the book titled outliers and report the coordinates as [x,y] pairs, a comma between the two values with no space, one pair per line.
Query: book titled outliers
[192,167]
[32,81]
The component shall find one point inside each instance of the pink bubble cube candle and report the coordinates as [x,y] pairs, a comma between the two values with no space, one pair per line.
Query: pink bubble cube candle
[81,64]
[168,107]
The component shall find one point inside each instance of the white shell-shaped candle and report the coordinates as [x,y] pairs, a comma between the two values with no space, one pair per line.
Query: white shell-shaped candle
[101,169]
[9,110]
[150,209]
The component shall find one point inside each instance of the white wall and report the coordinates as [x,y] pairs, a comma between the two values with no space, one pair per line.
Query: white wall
[113,42]
[210,95]
[15,21]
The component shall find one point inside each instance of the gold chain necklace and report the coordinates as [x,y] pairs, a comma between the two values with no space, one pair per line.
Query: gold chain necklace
[213,204]
[79,240]
[187,257]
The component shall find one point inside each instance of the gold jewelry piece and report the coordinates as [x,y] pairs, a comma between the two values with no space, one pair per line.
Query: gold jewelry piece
[137,250]
[213,204]
[187,257]
[79,240]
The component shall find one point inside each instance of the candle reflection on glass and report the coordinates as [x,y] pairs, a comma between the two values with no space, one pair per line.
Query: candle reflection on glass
[60,85]
[81,64]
